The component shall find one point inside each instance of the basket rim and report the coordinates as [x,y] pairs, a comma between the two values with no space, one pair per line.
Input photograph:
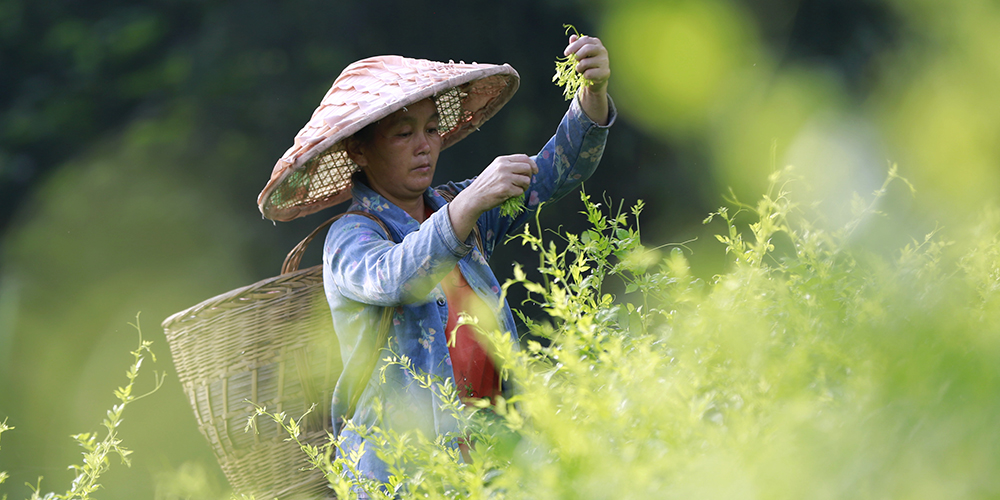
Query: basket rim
[179,317]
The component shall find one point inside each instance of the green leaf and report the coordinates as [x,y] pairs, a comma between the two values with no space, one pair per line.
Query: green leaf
[512,207]
[519,273]
[566,75]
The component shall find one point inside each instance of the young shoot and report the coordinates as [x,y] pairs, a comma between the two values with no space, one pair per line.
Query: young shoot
[513,206]
[4,427]
[566,75]
[98,452]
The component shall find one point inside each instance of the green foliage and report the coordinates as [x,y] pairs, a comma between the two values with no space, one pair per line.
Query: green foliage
[96,454]
[318,457]
[566,75]
[809,365]
[3,474]
[513,206]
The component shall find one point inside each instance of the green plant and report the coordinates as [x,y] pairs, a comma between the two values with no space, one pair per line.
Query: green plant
[566,75]
[97,451]
[513,206]
[812,364]
[3,474]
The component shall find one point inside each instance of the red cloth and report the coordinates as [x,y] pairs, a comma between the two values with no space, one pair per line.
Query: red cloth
[475,374]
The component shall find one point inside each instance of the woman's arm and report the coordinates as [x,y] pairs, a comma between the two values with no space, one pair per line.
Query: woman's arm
[366,266]
[560,159]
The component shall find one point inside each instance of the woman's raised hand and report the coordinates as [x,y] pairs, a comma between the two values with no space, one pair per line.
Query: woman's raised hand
[594,64]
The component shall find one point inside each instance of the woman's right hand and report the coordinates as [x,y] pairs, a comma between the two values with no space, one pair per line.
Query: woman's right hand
[506,177]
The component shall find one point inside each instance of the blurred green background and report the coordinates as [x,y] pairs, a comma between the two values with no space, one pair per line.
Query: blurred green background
[134,138]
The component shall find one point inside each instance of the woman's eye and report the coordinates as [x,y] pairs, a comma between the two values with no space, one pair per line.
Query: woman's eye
[432,130]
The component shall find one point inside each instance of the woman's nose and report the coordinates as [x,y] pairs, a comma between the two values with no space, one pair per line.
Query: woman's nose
[424,144]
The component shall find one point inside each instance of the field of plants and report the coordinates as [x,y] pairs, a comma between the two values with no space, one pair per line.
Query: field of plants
[746,331]
[812,367]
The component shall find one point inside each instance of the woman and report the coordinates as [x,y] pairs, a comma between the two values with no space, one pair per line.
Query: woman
[410,251]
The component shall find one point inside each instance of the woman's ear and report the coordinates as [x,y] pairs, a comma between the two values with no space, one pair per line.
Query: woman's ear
[356,151]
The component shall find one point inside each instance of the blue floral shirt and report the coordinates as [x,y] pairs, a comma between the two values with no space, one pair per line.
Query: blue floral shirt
[365,269]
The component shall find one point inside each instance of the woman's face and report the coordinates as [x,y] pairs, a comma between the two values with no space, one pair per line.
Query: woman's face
[400,156]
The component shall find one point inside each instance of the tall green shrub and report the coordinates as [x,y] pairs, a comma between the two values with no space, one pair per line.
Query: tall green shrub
[820,370]
[97,451]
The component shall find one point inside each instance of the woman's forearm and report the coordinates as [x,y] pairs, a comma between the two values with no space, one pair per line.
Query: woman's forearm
[594,102]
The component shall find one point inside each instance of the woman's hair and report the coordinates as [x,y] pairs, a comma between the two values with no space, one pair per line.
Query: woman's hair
[365,135]
[360,177]
[362,137]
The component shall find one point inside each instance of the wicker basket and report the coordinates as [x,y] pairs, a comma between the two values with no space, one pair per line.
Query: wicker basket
[271,343]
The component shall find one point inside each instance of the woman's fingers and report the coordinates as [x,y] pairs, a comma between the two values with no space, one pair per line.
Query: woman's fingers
[520,169]
[585,46]
[575,43]
[593,58]
[518,164]
[504,178]
[593,62]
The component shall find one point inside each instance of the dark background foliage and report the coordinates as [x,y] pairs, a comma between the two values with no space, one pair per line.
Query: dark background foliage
[134,138]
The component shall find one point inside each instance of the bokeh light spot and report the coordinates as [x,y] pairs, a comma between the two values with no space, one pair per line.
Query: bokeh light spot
[672,60]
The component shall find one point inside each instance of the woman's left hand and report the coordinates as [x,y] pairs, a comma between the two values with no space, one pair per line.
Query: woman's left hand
[594,64]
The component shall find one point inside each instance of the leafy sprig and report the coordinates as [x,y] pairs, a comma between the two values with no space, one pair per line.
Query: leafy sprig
[513,206]
[96,452]
[3,474]
[566,75]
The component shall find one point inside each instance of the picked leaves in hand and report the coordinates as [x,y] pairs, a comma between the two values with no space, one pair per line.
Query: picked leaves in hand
[566,75]
[512,206]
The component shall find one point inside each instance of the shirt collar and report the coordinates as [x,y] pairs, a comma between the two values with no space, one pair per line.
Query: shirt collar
[366,199]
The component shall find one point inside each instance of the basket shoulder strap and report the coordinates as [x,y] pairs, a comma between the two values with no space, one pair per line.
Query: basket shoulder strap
[291,264]
[294,257]
[478,242]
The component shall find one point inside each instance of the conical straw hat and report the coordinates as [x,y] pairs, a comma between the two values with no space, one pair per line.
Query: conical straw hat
[315,173]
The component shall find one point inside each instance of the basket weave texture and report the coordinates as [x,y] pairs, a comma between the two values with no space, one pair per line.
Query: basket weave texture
[271,343]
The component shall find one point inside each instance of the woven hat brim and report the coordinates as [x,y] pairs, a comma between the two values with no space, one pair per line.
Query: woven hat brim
[316,173]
